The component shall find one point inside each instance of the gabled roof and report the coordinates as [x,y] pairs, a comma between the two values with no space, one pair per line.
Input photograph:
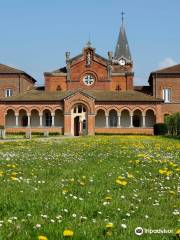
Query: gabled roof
[97,95]
[122,47]
[4,69]
[173,69]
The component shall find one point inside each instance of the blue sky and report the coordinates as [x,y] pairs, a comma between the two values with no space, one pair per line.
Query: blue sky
[36,34]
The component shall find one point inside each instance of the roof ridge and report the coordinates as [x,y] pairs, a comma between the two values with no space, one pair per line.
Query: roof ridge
[166,68]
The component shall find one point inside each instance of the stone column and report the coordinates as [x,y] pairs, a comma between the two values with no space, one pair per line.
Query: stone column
[119,120]
[17,119]
[40,119]
[29,119]
[144,120]
[52,115]
[107,120]
[131,118]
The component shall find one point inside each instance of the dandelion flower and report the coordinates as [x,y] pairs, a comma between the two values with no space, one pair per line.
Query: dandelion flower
[68,233]
[109,225]
[42,238]
[121,182]
[178,232]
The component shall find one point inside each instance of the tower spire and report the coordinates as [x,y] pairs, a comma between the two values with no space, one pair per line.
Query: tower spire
[122,47]
[122,13]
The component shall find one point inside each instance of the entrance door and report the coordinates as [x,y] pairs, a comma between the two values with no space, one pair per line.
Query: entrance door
[76,126]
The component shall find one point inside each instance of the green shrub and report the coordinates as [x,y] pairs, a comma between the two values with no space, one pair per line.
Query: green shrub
[160,129]
[173,124]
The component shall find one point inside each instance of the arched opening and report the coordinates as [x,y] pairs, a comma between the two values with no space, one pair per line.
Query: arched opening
[23,118]
[150,118]
[10,118]
[137,118]
[100,119]
[59,118]
[125,118]
[35,118]
[47,119]
[113,118]
[79,120]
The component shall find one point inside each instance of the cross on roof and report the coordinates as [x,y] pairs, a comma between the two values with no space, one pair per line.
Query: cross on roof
[122,13]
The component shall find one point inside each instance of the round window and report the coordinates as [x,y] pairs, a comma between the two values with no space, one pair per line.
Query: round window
[88,79]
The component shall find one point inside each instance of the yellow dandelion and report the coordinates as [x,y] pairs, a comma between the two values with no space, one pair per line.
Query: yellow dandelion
[68,233]
[178,232]
[120,177]
[65,190]
[130,175]
[108,198]
[172,192]
[121,182]
[168,173]
[109,225]
[162,171]
[13,178]
[42,238]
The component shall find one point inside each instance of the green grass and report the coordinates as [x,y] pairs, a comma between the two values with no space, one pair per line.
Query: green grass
[64,184]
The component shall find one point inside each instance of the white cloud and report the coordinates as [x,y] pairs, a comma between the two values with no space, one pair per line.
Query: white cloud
[167,62]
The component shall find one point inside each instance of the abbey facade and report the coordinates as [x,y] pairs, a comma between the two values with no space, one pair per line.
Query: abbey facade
[91,94]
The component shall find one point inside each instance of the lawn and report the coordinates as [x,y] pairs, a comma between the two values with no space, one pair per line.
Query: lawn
[99,187]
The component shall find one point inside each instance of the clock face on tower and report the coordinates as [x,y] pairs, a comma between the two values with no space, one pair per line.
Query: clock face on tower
[122,61]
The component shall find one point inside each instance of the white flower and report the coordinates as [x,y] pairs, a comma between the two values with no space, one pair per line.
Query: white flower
[146,216]
[52,220]
[37,225]
[74,215]
[124,226]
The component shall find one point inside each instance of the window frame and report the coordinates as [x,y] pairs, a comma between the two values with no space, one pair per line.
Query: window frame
[7,91]
[166,95]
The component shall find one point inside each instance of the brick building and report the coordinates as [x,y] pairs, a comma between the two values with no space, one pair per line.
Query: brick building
[91,94]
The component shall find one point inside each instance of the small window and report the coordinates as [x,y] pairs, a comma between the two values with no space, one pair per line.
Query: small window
[9,92]
[58,88]
[167,95]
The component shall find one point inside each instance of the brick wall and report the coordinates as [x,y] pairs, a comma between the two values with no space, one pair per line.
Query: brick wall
[19,83]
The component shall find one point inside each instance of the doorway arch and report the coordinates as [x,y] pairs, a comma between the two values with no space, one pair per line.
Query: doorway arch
[79,120]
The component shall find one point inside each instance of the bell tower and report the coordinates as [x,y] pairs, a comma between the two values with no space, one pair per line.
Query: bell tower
[122,63]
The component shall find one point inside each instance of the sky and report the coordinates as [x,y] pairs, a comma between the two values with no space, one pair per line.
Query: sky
[36,34]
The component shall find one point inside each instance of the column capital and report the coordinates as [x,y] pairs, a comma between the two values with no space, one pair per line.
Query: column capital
[119,114]
[144,114]
[40,114]
[52,114]
[17,114]
[28,114]
[107,114]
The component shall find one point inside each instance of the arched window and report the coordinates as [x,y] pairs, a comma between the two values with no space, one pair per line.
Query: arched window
[58,88]
[113,119]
